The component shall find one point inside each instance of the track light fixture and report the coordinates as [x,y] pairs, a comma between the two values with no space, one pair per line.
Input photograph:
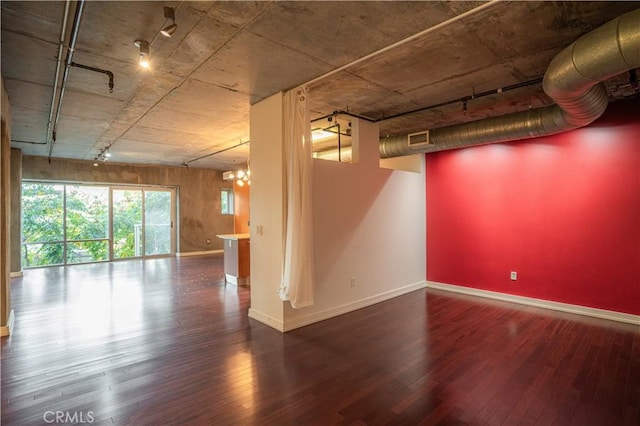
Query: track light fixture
[103,155]
[143,58]
[170,22]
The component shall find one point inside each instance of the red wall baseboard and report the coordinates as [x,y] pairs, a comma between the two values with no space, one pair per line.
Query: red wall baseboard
[562,211]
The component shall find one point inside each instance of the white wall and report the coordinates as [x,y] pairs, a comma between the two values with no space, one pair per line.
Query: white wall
[266,211]
[369,224]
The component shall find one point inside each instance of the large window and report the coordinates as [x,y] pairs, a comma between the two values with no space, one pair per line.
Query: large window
[66,224]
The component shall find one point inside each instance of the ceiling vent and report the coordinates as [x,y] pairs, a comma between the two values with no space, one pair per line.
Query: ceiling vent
[418,139]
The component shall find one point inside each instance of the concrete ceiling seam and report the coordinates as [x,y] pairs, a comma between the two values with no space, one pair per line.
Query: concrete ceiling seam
[574,80]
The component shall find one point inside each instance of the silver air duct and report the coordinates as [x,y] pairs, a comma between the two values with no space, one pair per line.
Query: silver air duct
[573,81]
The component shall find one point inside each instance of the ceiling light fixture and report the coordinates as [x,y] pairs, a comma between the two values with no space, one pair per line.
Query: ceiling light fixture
[170,22]
[103,155]
[143,58]
[240,176]
[321,134]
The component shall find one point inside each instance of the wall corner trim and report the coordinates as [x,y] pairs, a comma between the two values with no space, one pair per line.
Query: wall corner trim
[352,306]
[6,330]
[266,319]
[539,303]
[17,274]
[199,253]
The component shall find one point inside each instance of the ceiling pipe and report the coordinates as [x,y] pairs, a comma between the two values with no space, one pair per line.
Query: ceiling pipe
[63,32]
[94,69]
[186,163]
[463,100]
[422,33]
[67,65]
[573,81]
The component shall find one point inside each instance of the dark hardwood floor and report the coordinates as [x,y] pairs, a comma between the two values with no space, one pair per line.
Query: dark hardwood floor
[164,341]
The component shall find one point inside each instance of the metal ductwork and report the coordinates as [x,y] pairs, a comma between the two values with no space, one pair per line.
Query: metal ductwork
[574,82]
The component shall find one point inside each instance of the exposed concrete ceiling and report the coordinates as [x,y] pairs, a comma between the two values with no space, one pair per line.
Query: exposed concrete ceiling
[225,56]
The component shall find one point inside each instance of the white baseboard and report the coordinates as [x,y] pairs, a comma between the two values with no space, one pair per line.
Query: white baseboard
[352,306]
[17,274]
[237,281]
[556,306]
[6,330]
[266,319]
[199,253]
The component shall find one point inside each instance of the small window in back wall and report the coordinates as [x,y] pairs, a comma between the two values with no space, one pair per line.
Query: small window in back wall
[226,200]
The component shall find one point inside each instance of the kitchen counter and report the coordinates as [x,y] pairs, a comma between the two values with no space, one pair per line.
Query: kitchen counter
[236,258]
[233,236]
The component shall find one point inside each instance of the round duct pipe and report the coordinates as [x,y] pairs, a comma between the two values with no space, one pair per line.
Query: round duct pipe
[574,82]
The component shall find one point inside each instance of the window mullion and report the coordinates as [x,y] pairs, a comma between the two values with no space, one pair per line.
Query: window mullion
[64,225]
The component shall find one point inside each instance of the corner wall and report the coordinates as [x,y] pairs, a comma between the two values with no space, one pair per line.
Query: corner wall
[199,216]
[267,211]
[6,314]
[562,211]
[369,233]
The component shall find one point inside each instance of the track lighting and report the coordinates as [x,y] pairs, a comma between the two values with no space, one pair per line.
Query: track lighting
[170,22]
[103,155]
[143,58]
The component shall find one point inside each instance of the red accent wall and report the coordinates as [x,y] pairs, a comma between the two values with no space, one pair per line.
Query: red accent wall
[562,211]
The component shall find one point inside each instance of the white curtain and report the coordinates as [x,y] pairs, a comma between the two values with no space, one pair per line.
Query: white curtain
[297,269]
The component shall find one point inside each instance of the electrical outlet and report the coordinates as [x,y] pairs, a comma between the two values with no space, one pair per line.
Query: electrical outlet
[353,282]
[514,275]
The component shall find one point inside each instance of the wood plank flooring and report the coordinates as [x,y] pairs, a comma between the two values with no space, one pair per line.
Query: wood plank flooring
[165,341]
